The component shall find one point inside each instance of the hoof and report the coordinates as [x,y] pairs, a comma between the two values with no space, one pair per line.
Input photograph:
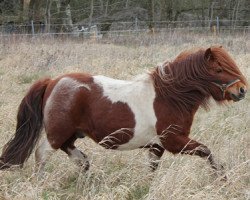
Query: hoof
[83,164]
[86,166]
[153,166]
[220,172]
[223,178]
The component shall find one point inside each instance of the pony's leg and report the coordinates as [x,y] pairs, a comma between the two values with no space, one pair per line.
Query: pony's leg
[42,154]
[177,143]
[77,156]
[155,153]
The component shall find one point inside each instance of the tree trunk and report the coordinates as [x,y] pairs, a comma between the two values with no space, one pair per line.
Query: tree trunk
[21,9]
[211,13]
[65,16]
[170,11]
[91,12]
[47,16]
[151,14]
[21,5]
[127,4]
[106,8]
[101,6]
[34,8]
[236,13]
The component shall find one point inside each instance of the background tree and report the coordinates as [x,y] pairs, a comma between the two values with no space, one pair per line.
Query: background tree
[69,12]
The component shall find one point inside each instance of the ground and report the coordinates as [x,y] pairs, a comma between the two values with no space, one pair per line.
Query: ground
[125,175]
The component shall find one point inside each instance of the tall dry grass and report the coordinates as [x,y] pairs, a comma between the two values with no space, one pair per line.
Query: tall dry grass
[125,175]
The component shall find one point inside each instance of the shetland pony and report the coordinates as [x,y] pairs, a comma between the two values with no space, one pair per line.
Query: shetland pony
[153,111]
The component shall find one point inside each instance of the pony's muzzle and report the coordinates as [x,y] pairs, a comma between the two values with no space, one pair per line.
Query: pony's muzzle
[240,95]
[236,97]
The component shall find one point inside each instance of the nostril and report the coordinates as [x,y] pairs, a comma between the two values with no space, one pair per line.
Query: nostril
[242,90]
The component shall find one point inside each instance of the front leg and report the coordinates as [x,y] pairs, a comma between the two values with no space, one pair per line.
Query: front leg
[155,153]
[178,143]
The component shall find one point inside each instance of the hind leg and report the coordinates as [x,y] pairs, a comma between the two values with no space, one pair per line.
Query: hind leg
[77,156]
[42,154]
[155,153]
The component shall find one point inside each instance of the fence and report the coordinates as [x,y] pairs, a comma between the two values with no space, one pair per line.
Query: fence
[123,28]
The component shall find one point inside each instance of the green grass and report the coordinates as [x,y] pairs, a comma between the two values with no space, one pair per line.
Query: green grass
[139,192]
[28,78]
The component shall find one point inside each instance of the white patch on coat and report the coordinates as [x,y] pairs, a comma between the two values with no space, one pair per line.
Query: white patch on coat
[76,154]
[43,151]
[66,87]
[78,157]
[139,95]
[42,154]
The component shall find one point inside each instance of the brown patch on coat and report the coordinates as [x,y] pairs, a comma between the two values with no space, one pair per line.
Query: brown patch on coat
[90,113]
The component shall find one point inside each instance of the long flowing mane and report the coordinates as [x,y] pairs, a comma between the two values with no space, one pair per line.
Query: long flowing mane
[185,82]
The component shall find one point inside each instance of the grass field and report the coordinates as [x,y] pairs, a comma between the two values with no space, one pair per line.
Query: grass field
[125,175]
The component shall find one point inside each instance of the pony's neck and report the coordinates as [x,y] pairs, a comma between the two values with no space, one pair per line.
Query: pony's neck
[181,83]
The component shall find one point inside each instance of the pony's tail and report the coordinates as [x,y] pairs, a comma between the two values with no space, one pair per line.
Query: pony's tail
[28,129]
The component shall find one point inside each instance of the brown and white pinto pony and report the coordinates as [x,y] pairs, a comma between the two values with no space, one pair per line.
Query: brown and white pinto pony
[154,111]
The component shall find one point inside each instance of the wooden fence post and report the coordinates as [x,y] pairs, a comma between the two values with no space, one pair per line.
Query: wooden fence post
[32,28]
[217,25]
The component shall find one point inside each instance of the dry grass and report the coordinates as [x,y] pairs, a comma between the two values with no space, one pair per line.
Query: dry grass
[125,175]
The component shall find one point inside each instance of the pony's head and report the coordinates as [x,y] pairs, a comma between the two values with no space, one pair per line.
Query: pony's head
[222,77]
[226,80]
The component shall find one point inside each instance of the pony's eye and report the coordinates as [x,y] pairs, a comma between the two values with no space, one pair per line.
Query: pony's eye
[219,70]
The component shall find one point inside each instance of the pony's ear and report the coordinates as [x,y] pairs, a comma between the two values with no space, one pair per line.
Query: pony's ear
[208,54]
